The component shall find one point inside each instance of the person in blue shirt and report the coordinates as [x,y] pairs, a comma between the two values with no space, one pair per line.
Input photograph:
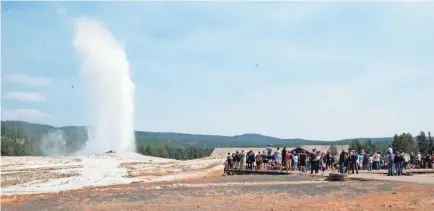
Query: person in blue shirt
[390,164]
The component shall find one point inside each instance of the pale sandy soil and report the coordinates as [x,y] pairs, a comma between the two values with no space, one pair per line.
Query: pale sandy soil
[27,175]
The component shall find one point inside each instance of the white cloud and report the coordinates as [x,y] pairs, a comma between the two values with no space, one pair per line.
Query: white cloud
[22,114]
[24,96]
[27,80]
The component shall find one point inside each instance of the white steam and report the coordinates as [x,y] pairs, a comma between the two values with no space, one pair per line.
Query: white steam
[53,144]
[106,75]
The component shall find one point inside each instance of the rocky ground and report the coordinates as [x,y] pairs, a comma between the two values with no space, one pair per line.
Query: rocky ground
[244,192]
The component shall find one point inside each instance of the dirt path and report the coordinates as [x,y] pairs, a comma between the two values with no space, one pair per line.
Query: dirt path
[238,193]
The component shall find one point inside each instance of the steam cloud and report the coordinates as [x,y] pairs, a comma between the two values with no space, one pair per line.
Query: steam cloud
[53,144]
[106,75]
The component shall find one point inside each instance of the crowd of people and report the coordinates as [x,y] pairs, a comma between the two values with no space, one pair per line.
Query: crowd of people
[315,161]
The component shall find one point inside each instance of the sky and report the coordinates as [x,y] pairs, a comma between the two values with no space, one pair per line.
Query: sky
[323,71]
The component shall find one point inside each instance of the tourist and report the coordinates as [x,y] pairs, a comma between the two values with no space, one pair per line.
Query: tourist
[303,161]
[269,150]
[258,161]
[374,161]
[371,162]
[382,162]
[365,161]
[242,159]
[323,162]
[295,159]
[390,149]
[248,159]
[284,156]
[264,160]
[398,160]
[251,159]
[428,161]
[278,158]
[237,159]
[229,161]
[390,164]
[354,159]
[288,158]
[328,160]
[313,162]
[341,162]
[378,159]
[335,162]
[419,160]
[406,158]
[347,163]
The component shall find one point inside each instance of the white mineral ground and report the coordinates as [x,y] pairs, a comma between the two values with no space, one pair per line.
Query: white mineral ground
[29,175]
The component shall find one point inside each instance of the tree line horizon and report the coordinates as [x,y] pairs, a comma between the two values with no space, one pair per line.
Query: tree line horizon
[24,139]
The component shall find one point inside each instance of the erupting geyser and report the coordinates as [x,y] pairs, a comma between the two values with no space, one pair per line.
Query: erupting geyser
[106,75]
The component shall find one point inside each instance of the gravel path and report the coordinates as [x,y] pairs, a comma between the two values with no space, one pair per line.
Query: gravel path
[261,192]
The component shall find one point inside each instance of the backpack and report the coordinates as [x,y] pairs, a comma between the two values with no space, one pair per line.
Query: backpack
[258,158]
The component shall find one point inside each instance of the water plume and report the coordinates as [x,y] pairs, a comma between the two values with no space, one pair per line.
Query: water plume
[106,74]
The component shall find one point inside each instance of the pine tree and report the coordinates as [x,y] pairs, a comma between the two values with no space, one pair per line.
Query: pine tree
[431,143]
[355,145]
[422,143]
[142,149]
[403,142]
[148,150]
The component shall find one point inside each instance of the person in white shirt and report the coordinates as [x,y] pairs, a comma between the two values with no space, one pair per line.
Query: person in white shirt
[390,149]
[295,159]
[419,160]
[371,161]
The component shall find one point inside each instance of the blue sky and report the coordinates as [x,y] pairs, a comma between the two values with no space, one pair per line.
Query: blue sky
[324,70]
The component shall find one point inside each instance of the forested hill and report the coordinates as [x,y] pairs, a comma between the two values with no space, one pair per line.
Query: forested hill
[75,136]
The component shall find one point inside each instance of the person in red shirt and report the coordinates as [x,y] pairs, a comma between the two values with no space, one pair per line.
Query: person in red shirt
[288,159]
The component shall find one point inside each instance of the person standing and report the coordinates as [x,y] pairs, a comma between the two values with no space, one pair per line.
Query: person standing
[258,159]
[278,158]
[354,159]
[328,160]
[264,160]
[398,163]
[412,160]
[419,160]
[288,161]
[284,156]
[229,161]
[342,162]
[295,159]
[238,159]
[365,161]
[303,158]
[242,160]
[390,164]
[347,162]
[269,150]
[371,162]
[378,159]
[313,162]
[248,160]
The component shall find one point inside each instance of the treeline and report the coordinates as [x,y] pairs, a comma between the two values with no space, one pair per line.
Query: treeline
[403,143]
[175,153]
[367,145]
[22,139]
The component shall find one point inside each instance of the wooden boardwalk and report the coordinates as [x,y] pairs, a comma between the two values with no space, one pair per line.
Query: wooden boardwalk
[257,172]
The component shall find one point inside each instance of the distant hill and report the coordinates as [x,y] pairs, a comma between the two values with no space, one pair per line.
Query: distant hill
[76,136]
